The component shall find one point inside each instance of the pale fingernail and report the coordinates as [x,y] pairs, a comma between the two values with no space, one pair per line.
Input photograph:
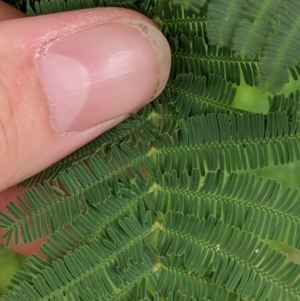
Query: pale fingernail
[102,72]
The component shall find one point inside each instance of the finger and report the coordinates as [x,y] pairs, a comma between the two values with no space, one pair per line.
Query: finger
[68,77]
[8,12]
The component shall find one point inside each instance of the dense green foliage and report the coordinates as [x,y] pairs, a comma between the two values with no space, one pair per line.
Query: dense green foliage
[165,206]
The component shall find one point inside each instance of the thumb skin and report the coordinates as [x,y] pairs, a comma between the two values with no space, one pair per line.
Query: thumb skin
[68,77]
[65,79]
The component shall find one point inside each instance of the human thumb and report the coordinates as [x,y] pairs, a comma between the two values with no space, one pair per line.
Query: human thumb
[68,77]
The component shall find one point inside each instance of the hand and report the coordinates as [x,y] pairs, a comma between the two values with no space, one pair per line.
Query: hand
[65,79]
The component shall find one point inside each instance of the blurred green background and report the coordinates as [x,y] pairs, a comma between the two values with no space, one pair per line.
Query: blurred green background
[247,98]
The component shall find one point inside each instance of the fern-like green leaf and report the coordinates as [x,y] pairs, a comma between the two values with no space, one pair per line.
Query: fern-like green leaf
[89,271]
[237,142]
[256,271]
[288,104]
[214,145]
[131,130]
[176,19]
[295,71]
[95,221]
[195,96]
[224,15]
[251,33]
[190,54]
[92,181]
[240,200]
[278,57]
[54,6]
[191,4]
[249,38]
[166,206]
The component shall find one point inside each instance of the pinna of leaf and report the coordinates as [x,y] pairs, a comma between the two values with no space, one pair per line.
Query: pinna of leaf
[166,205]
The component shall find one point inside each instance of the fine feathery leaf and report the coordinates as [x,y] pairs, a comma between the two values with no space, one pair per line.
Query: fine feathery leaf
[195,96]
[191,54]
[251,32]
[224,15]
[295,71]
[113,267]
[241,200]
[48,208]
[229,142]
[289,104]
[43,7]
[164,206]
[231,264]
[131,130]
[176,19]
[95,221]
[199,248]
[281,51]
[190,4]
